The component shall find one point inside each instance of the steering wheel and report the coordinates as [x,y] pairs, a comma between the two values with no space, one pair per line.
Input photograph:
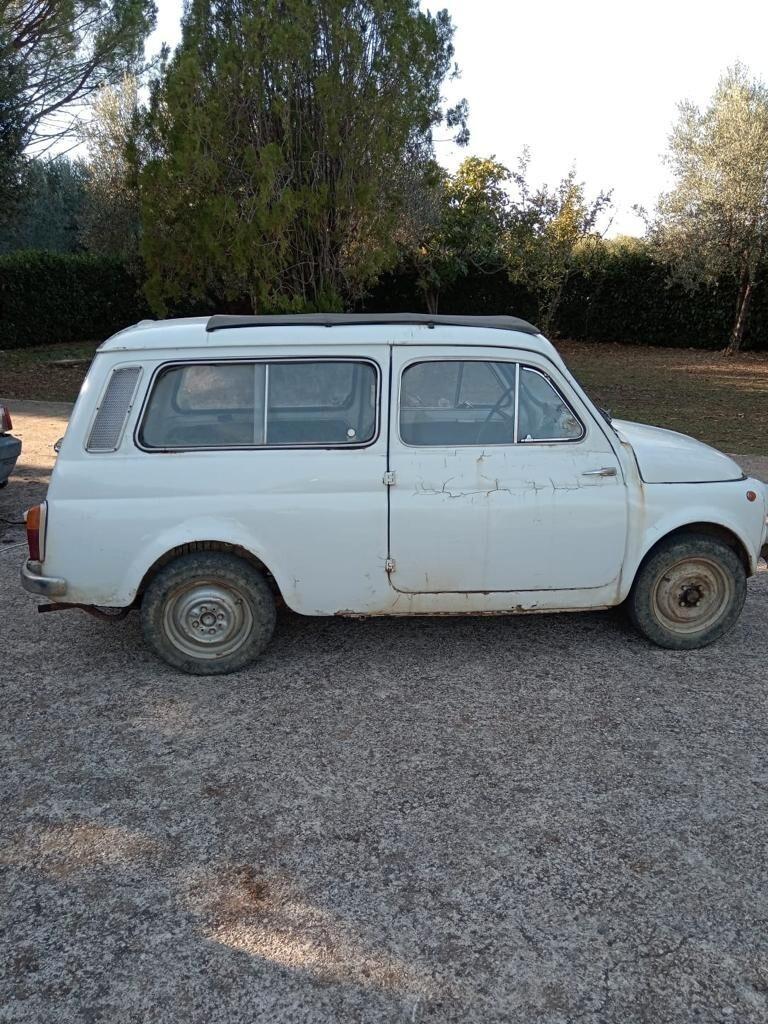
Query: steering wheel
[497,410]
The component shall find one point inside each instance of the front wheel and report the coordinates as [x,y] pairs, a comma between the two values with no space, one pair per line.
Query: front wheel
[208,613]
[688,593]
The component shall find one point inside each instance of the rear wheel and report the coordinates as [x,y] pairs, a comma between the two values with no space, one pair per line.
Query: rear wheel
[688,592]
[208,613]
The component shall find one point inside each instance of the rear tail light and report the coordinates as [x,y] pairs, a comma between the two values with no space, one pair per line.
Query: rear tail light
[35,522]
[6,423]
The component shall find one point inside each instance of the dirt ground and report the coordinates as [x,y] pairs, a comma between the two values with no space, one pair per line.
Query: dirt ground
[38,425]
[718,399]
[540,819]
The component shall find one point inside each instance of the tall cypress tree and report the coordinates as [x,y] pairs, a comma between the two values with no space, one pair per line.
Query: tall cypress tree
[276,137]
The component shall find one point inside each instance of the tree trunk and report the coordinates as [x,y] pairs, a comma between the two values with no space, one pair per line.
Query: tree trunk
[432,297]
[742,310]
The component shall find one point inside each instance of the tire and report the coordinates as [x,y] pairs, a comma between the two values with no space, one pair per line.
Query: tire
[208,613]
[688,592]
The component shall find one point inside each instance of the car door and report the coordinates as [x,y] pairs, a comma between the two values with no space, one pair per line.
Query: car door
[503,478]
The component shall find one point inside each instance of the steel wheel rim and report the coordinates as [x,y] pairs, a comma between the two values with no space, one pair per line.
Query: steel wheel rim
[692,595]
[207,619]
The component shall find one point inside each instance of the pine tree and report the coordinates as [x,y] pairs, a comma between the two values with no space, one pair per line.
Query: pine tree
[276,135]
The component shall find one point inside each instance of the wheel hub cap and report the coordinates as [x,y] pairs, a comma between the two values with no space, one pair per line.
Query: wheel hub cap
[208,619]
[692,595]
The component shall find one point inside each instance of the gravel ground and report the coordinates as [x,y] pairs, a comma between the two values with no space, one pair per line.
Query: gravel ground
[535,819]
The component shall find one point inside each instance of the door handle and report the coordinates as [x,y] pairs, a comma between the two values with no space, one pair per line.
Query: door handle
[605,471]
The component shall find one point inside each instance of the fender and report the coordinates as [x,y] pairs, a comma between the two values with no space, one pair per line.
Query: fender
[660,522]
[202,528]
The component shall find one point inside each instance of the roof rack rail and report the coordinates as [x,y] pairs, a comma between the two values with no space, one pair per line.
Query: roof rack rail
[221,322]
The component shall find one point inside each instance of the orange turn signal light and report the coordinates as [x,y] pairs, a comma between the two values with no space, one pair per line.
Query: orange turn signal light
[751,496]
[34,517]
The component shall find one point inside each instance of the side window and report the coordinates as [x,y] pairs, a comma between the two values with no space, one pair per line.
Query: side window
[222,387]
[312,385]
[472,402]
[231,405]
[543,414]
[458,402]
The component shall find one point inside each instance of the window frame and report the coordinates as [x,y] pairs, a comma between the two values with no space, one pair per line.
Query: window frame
[519,367]
[266,361]
[563,399]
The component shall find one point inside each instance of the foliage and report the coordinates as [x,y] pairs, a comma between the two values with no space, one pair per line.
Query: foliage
[278,134]
[69,49]
[110,223]
[49,214]
[713,224]
[625,296]
[552,232]
[12,80]
[460,229]
[47,298]
[622,294]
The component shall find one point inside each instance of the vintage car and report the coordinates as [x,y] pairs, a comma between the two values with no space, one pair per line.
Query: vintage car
[375,465]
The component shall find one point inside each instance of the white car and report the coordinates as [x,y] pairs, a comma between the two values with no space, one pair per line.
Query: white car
[375,465]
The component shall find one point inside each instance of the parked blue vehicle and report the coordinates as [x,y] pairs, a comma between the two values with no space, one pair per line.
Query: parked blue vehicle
[10,447]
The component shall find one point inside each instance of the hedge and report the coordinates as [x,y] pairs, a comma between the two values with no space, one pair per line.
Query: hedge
[47,298]
[50,297]
[629,300]
[632,300]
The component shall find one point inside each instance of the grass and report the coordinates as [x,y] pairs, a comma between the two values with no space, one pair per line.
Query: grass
[721,400]
[28,373]
[718,399]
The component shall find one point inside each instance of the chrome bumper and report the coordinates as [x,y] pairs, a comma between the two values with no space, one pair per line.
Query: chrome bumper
[46,586]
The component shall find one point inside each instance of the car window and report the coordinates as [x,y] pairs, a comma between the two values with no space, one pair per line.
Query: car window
[213,387]
[311,385]
[457,402]
[222,405]
[543,413]
[472,402]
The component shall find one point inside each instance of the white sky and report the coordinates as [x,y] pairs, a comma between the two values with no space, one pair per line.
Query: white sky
[593,82]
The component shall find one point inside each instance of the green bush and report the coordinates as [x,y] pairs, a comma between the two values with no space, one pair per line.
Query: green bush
[47,298]
[627,298]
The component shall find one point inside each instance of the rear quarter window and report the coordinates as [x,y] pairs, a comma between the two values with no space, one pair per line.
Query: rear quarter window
[262,404]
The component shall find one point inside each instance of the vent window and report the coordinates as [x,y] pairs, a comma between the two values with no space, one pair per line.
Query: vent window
[112,413]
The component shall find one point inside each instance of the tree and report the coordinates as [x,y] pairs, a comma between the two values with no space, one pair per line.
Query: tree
[110,224]
[552,233]
[68,49]
[49,214]
[714,222]
[12,80]
[277,137]
[458,226]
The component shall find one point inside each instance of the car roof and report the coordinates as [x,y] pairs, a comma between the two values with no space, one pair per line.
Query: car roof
[502,323]
[312,328]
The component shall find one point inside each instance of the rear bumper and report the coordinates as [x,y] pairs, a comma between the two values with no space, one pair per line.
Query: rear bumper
[34,582]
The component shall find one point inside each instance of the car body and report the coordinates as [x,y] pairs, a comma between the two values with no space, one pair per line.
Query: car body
[10,446]
[371,465]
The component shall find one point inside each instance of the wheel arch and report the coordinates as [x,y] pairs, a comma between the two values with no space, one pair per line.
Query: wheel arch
[709,529]
[195,547]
